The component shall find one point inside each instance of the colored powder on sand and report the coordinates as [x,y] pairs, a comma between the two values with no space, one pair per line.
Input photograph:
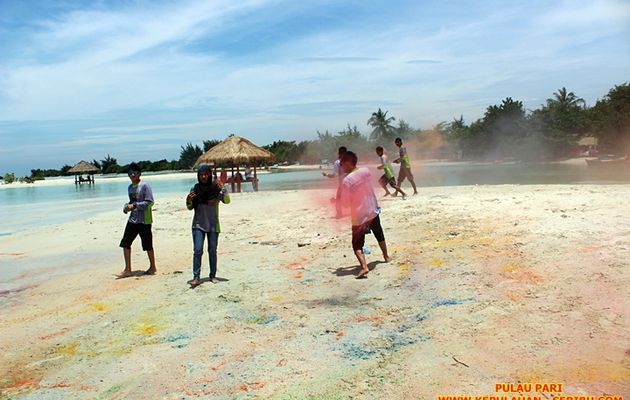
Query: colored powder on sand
[68,350]
[109,392]
[263,319]
[404,269]
[146,329]
[54,334]
[99,307]
[449,302]
[276,299]
[529,277]
[25,384]
[436,263]
[174,339]
[509,268]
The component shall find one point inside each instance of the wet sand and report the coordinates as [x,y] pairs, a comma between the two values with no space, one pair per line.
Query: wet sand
[488,284]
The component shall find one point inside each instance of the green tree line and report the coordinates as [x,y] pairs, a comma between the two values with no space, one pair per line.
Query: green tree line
[506,130]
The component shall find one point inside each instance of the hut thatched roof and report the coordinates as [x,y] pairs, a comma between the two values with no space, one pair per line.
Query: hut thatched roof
[235,150]
[83,167]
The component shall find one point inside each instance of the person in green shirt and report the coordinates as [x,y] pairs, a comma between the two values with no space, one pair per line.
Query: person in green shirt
[405,165]
[388,175]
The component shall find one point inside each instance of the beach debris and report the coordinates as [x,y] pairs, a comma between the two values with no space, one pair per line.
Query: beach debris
[459,362]
[303,244]
[282,362]
[177,272]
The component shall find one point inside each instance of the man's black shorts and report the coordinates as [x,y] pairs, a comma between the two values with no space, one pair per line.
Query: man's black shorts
[133,230]
[384,181]
[359,231]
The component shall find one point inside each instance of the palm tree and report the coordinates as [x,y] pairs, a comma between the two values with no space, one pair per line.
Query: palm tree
[563,99]
[381,124]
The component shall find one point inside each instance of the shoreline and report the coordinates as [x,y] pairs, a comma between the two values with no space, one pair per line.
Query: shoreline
[50,181]
[516,281]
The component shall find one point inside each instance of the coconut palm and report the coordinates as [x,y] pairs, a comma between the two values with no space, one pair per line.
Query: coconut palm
[563,99]
[381,123]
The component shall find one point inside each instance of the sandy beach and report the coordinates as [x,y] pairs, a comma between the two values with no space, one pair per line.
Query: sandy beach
[487,284]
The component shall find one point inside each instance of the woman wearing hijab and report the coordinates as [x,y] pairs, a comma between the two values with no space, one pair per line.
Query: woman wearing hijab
[204,198]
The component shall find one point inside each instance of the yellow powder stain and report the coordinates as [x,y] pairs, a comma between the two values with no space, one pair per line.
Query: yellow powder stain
[509,268]
[404,269]
[597,373]
[276,299]
[99,307]
[535,377]
[146,329]
[436,263]
[68,350]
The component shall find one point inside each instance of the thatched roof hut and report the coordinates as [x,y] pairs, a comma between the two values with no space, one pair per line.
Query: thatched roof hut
[235,151]
[83,167]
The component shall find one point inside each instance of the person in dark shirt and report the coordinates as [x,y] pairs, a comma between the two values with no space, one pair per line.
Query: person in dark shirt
[204,198]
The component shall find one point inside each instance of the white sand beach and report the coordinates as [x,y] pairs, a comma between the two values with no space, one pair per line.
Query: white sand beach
[487,284]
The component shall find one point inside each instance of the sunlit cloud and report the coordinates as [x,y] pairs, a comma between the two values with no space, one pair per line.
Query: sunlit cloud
[112,76]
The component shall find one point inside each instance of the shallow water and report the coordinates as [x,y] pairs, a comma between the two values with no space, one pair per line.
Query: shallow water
[29,206]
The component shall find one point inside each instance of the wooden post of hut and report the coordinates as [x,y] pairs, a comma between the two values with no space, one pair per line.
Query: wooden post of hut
[255,183]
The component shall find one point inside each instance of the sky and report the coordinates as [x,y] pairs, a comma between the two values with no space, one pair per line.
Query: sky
[139,79]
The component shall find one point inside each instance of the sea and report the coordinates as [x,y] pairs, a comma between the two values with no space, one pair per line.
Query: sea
[28,206]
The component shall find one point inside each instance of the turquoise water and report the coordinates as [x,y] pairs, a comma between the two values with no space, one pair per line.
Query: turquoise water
[23,207]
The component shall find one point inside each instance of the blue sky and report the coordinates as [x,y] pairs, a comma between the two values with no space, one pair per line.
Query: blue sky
[138,79]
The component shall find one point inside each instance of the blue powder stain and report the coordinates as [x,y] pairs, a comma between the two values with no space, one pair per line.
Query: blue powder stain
[269,319]
[307,281]
[176,338]
[396,341]
[263,320]
[450,302]
[353,350]
[420,317]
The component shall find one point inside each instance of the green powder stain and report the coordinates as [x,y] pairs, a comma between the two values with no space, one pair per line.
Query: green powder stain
[109,392]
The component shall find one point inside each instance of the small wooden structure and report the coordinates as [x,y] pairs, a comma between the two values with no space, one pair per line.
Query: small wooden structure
[232,153]
[81,168]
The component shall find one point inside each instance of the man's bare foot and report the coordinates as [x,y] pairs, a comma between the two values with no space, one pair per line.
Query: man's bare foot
[214,280]
[387,259]
[363,274]
[125,274]
[194,283]
[415,193]
[150,271]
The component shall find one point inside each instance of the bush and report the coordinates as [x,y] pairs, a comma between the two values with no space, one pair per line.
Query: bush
[9,177]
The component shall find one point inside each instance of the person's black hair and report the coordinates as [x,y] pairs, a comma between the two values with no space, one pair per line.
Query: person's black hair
[342,150]
[398,140]
[379,148]
[351,157]
[133,167]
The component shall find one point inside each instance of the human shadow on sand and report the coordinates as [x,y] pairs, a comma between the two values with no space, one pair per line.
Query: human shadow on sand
[355,269]
[206,280]
[134,274]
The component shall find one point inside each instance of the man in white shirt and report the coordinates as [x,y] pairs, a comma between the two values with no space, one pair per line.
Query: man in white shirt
[358,194]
